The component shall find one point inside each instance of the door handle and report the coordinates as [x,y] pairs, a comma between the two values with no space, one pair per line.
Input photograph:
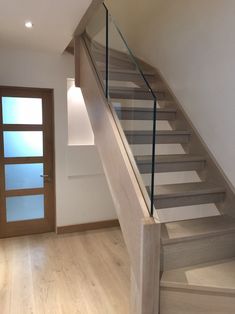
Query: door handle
[44,175]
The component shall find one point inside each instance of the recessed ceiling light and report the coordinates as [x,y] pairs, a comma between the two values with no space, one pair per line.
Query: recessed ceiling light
[28,24]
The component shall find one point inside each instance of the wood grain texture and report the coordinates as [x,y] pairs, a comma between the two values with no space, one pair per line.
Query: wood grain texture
[184,231]
[132,113]
[186,194]
[127,75]
[145,298]
[82,273]
[88,226]
[170,163]
[162,137]
[150,267]
[136,93]
[212,283]
[128,199]
[185,302]
[218,277]
[46,224]
[202,250]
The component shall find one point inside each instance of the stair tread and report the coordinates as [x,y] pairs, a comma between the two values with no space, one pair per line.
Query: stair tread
[119,92]
[175,232]
[218,276]
[144,109]
[162,137]
[186,189]
[132,89]
[145,113]
[126,71]
[169,158]
[165,132]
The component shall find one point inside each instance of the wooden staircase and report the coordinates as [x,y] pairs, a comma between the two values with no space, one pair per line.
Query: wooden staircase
[197,253]
[198,246]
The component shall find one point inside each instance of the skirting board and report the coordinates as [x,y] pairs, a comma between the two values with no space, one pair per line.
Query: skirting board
[88,226]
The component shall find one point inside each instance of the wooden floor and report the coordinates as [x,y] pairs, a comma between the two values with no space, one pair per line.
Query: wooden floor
[74,273]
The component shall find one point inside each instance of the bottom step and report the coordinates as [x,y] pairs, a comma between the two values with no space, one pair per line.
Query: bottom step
[201,289]
[197,241]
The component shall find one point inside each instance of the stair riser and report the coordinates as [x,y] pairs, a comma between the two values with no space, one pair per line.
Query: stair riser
[115,62]
[126,77]
[112,53]
[198,251]
[138,95]
[161,203]
[172,167]
[135,115]
[160,139]
[182,301]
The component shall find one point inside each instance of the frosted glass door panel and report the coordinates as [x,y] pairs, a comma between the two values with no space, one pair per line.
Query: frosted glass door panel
[28,207]
[16,110]
[23,176]
[23,143]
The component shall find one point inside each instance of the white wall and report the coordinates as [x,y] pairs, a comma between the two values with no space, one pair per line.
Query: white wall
[82,193]
[79,126]
[125,14]
[192,44]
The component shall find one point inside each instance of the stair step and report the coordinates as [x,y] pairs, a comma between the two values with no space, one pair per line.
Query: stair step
[162,137]
[186,194]
[99,49]
[137,113]
[137,93]
[203,288]
[197,241]
[114,61]
[216,276]
[127,75]
[171,163]
[188,230]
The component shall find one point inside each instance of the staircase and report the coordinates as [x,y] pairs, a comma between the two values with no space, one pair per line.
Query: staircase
[193,200]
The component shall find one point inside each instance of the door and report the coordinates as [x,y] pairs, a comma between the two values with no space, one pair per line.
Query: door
[26,161]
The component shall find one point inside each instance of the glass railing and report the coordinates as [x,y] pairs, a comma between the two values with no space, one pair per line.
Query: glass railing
[129,94]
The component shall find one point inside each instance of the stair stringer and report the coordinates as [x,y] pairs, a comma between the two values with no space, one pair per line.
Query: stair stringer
[213,171]
[141,232]
[178,298]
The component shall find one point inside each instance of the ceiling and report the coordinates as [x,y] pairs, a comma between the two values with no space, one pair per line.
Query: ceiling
[54,23]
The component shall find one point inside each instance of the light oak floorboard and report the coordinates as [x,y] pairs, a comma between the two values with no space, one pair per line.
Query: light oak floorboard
[82,273]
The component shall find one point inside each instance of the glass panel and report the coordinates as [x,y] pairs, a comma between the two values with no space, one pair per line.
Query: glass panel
[23,176]
[23,143]
[25,207]
[128,90]
[136,120]
[16,110]
[133,101]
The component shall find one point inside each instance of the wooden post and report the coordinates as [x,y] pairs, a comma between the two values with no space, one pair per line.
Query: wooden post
[145,295]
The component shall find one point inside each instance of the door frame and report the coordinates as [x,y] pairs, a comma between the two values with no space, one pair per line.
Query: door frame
[47,224]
